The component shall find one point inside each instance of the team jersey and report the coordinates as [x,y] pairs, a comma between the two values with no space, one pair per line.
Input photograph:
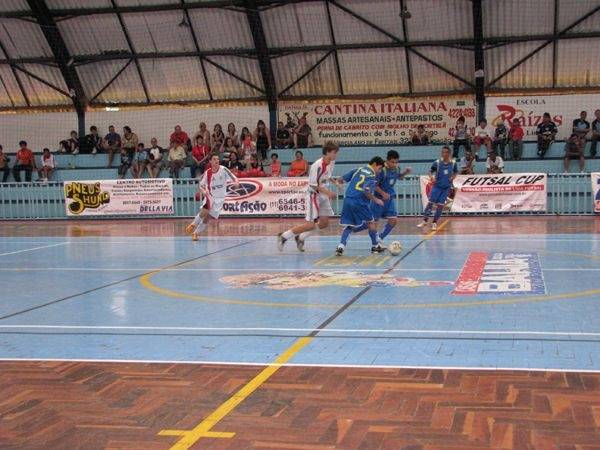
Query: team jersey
[320,173]
[546,128]
[360,182]
[216,182]
[386,180]
[443,172]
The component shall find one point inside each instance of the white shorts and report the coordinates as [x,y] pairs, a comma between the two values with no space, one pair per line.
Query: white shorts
[317,205]
[214,207]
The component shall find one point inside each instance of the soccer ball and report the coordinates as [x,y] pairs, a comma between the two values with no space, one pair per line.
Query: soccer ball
[395,248]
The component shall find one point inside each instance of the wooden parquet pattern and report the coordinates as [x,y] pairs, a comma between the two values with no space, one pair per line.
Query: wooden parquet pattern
[69,405]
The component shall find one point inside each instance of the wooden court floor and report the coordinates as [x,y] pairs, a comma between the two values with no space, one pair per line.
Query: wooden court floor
[79,405]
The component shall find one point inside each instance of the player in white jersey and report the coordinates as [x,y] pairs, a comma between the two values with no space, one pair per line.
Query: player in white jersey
[318,198]
[213,190]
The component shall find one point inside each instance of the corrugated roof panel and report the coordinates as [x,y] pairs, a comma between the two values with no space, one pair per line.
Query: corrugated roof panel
[221,28]
[461,62]
[158,32]
[40,94]
[350,30]
[166,84]
[517,18]
[9,89]
[383,13]
[23,39]
[569,11]
[287,69]
[428,78]
[146,2]
[321,81]
[126,88]
[380,71]
[89,35]
[435,19]
[223,85]
[14,5]
[77,4]
[296,24]
[570,71]
[533,72]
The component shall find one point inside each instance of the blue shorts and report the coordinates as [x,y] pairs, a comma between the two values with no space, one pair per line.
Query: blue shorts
[439,195]
[354,214]
[386,211]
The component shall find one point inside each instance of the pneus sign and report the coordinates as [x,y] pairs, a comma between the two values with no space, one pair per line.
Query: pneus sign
[266,196]
[497,193]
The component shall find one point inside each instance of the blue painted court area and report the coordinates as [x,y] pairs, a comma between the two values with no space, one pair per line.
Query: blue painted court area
[486,301]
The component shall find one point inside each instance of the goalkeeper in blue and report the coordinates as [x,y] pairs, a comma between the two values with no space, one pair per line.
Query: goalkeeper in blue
[356,210]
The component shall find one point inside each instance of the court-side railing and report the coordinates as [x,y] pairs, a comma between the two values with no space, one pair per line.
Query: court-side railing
[567,194]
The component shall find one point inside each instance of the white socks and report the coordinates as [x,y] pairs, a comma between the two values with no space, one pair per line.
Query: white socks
[306,234]
[197,219]
[200,227]
[288,234]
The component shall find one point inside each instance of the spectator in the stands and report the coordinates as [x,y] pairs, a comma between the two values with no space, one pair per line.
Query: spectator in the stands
[500,139]
[180,138]
[155,159]
[129,142]
[218,138]
[283,138]
[546,132]
[203,131]
[47,165]
[574,150]
[275,165]
[200,154]
[253,168]
[420,136]
[112,144]
[70,145]
[126,163]
[140,161]
[228,148]
[92,143]
[515,136]
[4,160]
[177,157]
[467,163]
[595,133]
[303,134]
[247,147]
[24,161]
[234,164]
[483,137]
[494,163]
[262,137]
[461,137]
[299,166]
[232,133]
[581,127]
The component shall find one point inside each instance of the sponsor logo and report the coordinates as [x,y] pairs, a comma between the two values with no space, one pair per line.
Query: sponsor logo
[85,196]
[246,189]
[501,273]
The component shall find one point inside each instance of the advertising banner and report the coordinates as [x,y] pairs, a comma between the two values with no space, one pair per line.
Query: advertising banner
[496,193]
[380,122]
[153,196]
[266,196]
[529,109]
[596,191]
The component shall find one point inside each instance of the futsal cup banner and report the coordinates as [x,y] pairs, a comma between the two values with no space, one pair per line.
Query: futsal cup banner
[496,193]
[266,196]
[529,109]
[380,122]
[596,191]
[152,196]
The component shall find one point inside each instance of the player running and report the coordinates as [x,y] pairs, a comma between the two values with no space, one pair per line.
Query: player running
[213,190]
[442,173]
[356,211]
[318,199]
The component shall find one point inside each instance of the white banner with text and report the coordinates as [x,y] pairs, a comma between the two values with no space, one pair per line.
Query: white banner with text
[596,191]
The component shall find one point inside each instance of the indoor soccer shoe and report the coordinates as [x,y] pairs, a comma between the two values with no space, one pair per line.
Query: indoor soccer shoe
[280,241]
[299,243]
[339,251]
[190,228]
[433,226]
[422,224]
[377,249]
[194,237]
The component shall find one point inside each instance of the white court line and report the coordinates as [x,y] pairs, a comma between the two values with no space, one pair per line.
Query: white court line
[333,366]
[247,269]
[300,330]
[34,248]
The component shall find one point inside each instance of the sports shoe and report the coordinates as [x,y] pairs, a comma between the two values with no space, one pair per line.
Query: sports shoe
[94,151]
[380,243]
[194,237]
[422,224]
[339,251]
[299,243]
[76,151]
[434,226]
[281,241]
[190,228]
[377,249]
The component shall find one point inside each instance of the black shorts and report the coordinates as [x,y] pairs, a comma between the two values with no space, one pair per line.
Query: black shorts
[574,155]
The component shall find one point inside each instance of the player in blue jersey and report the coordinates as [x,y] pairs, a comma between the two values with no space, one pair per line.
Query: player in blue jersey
[356,211]
[442,173]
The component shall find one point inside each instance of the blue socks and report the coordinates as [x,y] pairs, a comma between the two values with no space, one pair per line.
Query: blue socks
[386,230]
[427,211]
[345,235]
[373,236]
[438,213]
